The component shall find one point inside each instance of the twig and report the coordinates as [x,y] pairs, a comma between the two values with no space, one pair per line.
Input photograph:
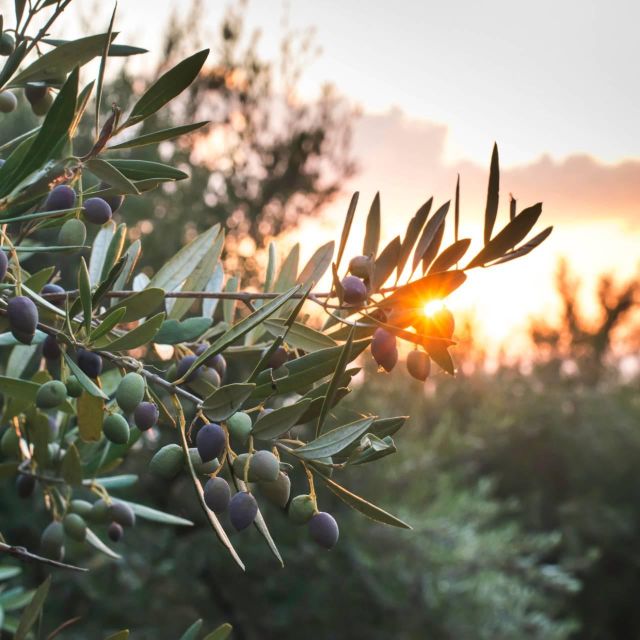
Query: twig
[26,556]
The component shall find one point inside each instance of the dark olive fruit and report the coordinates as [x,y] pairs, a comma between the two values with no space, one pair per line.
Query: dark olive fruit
[4,265]
[184,365]
[202,468]
[130,391]
[97,210]
[72,233]
[302,508]
[122,514]
[211,441]
[35,91]
[217,494]
[23,318]
[115,201]
[51,394]
[168,461]
[51,348]
[74,388]
[360,266]
[384,349]
[75,527]
[278,358]
[218,363]
[239,425]
[90,363]
[278,491]
[54,293]
[264,466]
[354,290]
[324,530]
[7,44]
[10,443]
[60,198]
[240,468]
[243,510]
[8,102]
[146,415]
[25,486]
[116,429]
[99,512]
[418,365]
[52,541]
[115,532]
[41,107]
[81,507]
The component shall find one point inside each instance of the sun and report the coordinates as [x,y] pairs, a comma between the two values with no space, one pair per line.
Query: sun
[432,307]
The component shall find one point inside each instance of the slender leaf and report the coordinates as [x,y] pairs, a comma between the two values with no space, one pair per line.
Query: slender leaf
[275,423]
[372,232]
[87,384]
[493,195]
[33,611]
[159,136]
[450,256]
[346,227]
[335,440]
[226,400]
[141,335]
[153,515]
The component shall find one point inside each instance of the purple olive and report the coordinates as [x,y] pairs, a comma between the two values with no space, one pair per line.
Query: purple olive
[60,198]
[90,363]
[384,349]
[324,530]
[278,358]
[23,318]
[146,415]
[122,514]
[217,494]
[115,532]
[35,92]
[25,485]
[50,348]
[210,441]
[184,365]
[114,201]
[243,510]
[97,210]
[354,290]
[418,365]
[54,292]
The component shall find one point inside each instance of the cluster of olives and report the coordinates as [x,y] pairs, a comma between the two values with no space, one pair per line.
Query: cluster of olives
[38,95]
[355,287]
[79,514]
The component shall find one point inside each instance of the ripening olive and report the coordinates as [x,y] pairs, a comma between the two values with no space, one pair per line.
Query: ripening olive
[25,486]
[74,388]
[384,349]
[278,358]
[324,530]
[115,532]
[97,211]
[243,510]
[239,425]
[418,365]
[60,198]
[210,441]
[168,461]
[264,466]
[51,394]
[184,365]
[35,91]
[90,363]
[122,513]
[51,348]
[278,491]
[360,266]
[354,290]
[114,201]
[54,293]
[130,391]
[116,429]
[75,527]
[72,233]
[217,494]
[52,541]
[8,102]
[146,415]
[202,468]
[302,508]
[42,107]
[23,318]
[99,512]
[7,44]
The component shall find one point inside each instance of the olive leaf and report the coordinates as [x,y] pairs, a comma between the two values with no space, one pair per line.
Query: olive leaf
[275,423]
[154,515]
[334,441]
[159,136]
[372,229]
[33,610]
[300,335]
[141,335]
[450,256]
[87,384]
[493,195]
[141,304]
[226,400]
[346,227]
[112,176]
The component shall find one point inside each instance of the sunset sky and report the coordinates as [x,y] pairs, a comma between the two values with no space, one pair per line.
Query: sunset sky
[554,83]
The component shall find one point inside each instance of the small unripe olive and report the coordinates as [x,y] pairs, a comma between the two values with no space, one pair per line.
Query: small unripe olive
[25,486]
[74,388]
[73,233]
[418,365]
[360,266]
[99,512]
[239,425]
[384,349]
[278,491]
[97,211]
[10,444]
[75,527]
[8,102]
[51,348]
[243,510]
[354,290]
[115,532]
[130,391]
[52,541]
[61,197]
[210,441]
[202,468]
[123,514]
[51,394]
[116,429]
[301,509]
[90,363]
[146,415]
[7,44]
[240,468]
[217,494]
[81,507]
[324,530]
[264,466]
[23,318]
[168,461]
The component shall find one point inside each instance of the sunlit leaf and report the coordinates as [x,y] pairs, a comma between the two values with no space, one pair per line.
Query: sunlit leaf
[159,136]
[372,229]
[275,423]
[141,335]
[493,193]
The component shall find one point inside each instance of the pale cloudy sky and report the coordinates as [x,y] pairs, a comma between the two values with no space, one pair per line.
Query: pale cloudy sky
[553,81]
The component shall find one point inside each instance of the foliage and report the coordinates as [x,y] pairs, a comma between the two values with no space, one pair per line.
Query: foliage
[94,373]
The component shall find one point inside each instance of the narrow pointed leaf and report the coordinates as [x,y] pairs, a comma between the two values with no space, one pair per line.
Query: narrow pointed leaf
[141,335]
[450,256]
[429,234]
[159,136]
[279,421]
[346,227]
[493,194]
[372,230]
[335,440]
[86,382]
[225,401]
